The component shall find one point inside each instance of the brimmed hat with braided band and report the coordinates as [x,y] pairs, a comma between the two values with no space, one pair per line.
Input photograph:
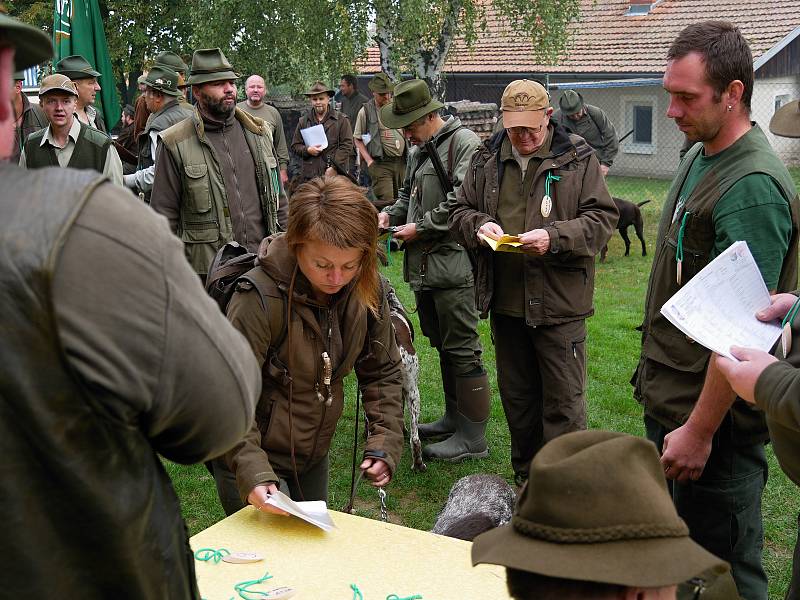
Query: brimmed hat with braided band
[786,120]
[412,100]
[596,508]
[210,64]
[162,79]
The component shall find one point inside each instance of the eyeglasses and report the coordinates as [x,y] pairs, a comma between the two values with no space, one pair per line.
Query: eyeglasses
[522,131]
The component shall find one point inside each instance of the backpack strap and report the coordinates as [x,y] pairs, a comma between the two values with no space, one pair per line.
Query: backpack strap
[273,301]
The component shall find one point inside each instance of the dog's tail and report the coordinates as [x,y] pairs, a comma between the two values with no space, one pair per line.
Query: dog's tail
[642,203]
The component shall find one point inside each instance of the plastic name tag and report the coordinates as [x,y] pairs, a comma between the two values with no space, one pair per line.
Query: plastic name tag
[281,592]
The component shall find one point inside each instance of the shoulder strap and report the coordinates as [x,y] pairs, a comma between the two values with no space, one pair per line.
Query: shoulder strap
[273,301]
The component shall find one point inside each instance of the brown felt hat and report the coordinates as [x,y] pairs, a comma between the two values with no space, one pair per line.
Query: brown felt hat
[32,45]
[412,100]
[596,508]
[786,120]
[210,64]
[319,88]
[381,83]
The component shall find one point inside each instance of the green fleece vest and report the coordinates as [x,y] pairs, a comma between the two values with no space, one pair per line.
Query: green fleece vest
[205,223]
[91,150]
[375,146]
[59,437]
[680,361]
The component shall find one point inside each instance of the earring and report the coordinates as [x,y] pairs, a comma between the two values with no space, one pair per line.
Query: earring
[730,108]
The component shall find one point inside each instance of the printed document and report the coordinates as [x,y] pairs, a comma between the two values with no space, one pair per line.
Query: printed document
[717,307]
[314,136]
[315,512]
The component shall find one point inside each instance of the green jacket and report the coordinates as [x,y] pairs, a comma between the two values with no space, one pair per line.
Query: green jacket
[672,367]
[355,340]
[205,223]
[596,129]
[434,259]
[559,286]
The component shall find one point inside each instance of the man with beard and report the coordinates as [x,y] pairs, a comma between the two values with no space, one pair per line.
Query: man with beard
[216,176]
[161,97]
[382,149]
[319,161]
[255,89]
[84,77]
[730,186]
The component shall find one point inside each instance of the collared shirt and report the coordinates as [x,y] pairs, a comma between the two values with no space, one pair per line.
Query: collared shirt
[113,165]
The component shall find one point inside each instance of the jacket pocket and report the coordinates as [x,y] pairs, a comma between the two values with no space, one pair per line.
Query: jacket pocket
[198,191]
[568,289]
[446,265]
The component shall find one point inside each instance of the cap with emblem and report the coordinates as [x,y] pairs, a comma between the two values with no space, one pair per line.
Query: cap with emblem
[75,67]
[162,79]
[210,64]
[57,83]
[381,83]
[319,88]
[524,104]
[412,100]
[568,520]
[171,60]
[570,102]
[32,45]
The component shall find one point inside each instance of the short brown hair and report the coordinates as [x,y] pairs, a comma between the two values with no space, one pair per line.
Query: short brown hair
[335,211]
[725,52]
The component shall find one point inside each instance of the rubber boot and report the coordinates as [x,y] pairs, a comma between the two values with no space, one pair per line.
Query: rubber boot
[445,425]
[469,439]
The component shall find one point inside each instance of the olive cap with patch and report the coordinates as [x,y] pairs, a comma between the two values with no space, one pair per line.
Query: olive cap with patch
[596,508]
[524,104]
[172,61]
[570,102]
[32,45]
[412,100]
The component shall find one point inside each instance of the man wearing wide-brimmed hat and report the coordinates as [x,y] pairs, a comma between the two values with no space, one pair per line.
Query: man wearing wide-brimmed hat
[169,60]
[437,267]
[29,117]
[161,99]
[84,77]
[595,520]
[336,157]
[66,141]
[217,172]
[382,149]
[591,123]
[112,357]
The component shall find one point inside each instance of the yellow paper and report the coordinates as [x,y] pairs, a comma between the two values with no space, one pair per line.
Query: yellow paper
[506,243]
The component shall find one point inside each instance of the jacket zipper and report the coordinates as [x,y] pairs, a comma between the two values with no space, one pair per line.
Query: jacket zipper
[236,185]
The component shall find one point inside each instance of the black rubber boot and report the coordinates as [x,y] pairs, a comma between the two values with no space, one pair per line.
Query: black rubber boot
[469,439]
[445,425]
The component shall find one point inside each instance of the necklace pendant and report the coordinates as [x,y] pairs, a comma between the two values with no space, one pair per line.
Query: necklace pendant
[547,205]
[786,339]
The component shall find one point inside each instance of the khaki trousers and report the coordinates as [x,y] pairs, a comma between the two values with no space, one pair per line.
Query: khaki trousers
[387,178]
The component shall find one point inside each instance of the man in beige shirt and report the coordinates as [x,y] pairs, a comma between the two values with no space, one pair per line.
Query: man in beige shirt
[255,89]
[382,149]
[66,141]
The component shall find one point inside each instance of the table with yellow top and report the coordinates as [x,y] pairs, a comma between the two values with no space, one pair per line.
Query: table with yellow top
[381,559]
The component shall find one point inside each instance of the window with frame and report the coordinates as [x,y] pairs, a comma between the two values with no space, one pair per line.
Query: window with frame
[640,123]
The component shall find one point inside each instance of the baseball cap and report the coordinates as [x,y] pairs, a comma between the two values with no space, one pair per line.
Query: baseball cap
[524,104]
[57,83]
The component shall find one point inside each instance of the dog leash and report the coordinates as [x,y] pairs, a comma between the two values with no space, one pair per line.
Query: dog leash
[384,511]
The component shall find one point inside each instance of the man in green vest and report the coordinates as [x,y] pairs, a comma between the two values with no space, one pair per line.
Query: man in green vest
[84,77]
[730,186]
[113,358]
[591,123]
[382,149]
[66,141]
[161,98]
[216,176]
[437,267]
[29,118]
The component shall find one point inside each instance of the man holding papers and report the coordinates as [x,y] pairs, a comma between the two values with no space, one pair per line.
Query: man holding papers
[730,186]
[323,138]
[543,186]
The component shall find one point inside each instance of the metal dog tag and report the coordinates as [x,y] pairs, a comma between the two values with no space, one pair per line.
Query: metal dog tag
[547,205]
[240,558]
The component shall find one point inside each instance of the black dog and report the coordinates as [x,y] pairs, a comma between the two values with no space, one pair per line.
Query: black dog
[629,214]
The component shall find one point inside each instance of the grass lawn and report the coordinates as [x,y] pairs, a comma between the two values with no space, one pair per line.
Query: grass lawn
[613,348]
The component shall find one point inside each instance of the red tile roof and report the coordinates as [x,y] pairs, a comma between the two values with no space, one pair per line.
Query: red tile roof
[605,40]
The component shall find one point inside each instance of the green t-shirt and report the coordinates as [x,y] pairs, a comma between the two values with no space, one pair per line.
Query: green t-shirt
[752,210]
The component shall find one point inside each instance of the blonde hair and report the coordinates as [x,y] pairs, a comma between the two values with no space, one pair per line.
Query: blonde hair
[335,211]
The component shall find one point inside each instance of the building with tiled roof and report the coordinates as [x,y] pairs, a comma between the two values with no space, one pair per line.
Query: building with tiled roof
[616,59]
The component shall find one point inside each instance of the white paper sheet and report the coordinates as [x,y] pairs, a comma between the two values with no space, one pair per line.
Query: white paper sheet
[314,136]
[717,307]
[314,512]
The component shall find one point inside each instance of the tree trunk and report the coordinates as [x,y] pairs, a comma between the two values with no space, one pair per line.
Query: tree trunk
[384,37]
[430,61]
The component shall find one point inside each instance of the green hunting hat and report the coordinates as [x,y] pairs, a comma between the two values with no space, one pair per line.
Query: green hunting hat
[57,83]
[570,102]
[210,64]
[18,75]
[319,88]
[412,100]
[171,60]
[381,83]
[32,45]
[76,67]
[163,79]
[596,508]
[786,120]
